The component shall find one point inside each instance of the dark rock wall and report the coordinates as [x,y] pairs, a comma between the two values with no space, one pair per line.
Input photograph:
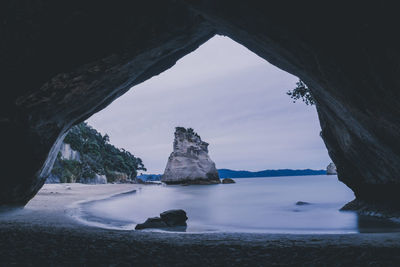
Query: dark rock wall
[349,56]
[62,61]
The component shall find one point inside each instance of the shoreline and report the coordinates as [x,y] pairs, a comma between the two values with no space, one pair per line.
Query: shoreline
[102,213]
[44,234]
[79,213]
[55,203]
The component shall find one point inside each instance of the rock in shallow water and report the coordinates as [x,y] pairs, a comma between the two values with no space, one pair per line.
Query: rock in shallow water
[174,217]
[302,203]
[154,222]
[228,181]
[384,211]
[169,218]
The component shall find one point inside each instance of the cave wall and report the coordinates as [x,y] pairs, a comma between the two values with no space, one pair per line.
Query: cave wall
[65,60]
[349,56]
[62,61]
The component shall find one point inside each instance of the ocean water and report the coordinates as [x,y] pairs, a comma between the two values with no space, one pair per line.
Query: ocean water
[253,205]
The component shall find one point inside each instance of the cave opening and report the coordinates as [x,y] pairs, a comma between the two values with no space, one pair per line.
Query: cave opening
[64,61]
[238,104]
[234,99]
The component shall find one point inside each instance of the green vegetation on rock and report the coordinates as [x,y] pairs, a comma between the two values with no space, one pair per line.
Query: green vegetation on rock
[68,171]
[301,92]
[97,156]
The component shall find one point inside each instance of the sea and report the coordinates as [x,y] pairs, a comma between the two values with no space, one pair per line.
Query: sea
[251,205]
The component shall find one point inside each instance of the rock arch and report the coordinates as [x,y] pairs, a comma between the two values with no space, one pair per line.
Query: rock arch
[62,62]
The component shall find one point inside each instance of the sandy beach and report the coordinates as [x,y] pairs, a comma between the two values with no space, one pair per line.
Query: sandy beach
[45,233]
[54,203]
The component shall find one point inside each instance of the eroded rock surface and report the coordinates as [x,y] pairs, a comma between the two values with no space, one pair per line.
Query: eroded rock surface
[68,153]
[167,219]
[389,211]
[190,163]
[174,217]
[153,222]
[62,62]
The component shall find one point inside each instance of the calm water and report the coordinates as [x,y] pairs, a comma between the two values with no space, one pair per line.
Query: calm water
[251,205]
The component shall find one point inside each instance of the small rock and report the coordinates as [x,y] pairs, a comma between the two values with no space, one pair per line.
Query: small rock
[228,181]
[139,181]
[174,217]
[331,169]
[302,203]
[155,222]
[169,218]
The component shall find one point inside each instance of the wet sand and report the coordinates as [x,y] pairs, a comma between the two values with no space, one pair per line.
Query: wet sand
[45,233]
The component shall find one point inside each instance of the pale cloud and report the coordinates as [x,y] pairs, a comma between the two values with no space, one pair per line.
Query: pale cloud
[234,99]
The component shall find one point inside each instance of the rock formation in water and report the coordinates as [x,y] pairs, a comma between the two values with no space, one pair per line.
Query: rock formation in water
[331,169]
[190,163]
[346,52]
[228,181]
[153,222]
[302,203]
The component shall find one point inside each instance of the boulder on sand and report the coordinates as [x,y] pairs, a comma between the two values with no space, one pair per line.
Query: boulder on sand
[174,217]
[169,218]
[154,222]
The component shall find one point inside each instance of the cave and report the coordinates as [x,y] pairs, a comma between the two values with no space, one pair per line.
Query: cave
[62,62]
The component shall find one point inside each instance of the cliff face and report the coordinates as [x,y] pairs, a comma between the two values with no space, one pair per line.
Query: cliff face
[350,66]
[190,162]
[67,169]
[86,156]
[67,153]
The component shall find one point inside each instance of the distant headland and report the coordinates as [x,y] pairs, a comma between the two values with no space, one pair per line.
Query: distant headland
[227,173]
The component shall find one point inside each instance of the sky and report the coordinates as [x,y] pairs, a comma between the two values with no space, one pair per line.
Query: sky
[235,100]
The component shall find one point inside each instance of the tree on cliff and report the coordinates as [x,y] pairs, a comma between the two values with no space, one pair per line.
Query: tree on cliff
[97,156]
[301,92]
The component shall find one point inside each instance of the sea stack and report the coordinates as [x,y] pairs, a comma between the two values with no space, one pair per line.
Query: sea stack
[331,169]
[190,163]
